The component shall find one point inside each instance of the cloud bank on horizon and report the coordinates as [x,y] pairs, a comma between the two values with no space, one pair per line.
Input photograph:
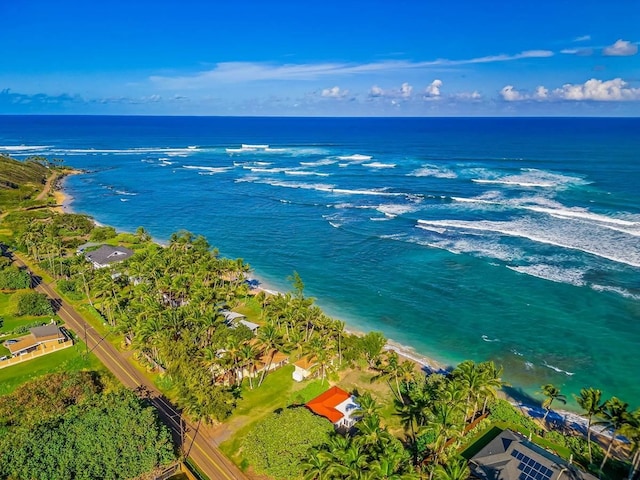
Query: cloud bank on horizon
[278,60]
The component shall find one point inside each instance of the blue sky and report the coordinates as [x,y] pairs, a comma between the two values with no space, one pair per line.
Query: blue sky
[335,58]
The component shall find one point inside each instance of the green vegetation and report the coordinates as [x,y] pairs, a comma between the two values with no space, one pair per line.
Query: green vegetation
[34,304]
[68,360]
[62,426]
[277,445]
[20,181]
[12,278]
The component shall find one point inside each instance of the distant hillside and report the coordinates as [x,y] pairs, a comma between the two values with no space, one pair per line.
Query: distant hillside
[13,173]
[20,181]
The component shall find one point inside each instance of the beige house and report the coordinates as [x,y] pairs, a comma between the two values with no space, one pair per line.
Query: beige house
[39,338]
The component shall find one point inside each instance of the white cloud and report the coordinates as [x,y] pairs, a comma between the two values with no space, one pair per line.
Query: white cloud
[615,90]
[334,92]
[234,72]
[541,93]
[510,94]
[376,91]
[404,92]
[577,51]
[475,95]
[598,90]
[582,38]
[622,48]
[433,89]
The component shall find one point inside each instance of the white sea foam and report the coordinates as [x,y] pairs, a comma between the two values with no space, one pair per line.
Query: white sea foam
[124,192]
[620,291]
[554,273]
[559,370]
[355,158]
[208,169]
[513,183]
[305,173]
[169,151]
[433,171]
[588,238]
[530,178]
[490,340]
[23,148]
[393,210]
[318,163]
[255,147]
[477,246]
[379,165]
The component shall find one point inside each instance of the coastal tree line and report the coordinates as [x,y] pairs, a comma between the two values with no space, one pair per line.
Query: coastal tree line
[167,301]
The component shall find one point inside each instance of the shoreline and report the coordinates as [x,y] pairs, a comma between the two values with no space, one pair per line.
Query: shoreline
[426,363]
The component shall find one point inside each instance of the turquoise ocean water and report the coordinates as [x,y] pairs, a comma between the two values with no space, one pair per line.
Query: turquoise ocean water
[516,240]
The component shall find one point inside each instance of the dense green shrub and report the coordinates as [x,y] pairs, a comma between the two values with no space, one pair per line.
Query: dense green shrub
[503,411]
[12,278]
[278,444]
[33,303]
[109,436]
[4,262]
[99,234]
[71,288]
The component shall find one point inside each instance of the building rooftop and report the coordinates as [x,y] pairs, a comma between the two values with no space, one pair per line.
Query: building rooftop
[108,254]
[510,456]
[334,404]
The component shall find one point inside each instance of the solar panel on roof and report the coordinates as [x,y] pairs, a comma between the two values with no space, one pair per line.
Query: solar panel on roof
[531,469]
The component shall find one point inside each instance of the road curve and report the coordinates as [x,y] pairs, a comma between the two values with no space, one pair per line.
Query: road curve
[200,447]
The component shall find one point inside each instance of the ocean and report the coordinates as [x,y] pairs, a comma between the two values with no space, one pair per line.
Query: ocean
[512,239]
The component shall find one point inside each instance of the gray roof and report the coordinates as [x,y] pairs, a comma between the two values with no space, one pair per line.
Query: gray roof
[510,456]
[48,330]
[108,254]
[230,316]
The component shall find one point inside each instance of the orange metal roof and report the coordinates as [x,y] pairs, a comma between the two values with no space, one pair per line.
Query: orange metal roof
[325,404]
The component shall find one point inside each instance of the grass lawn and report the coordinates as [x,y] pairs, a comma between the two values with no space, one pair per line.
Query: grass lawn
[69,359]
[277,391]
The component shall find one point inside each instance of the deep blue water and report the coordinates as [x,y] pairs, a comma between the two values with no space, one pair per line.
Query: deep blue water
[511,239]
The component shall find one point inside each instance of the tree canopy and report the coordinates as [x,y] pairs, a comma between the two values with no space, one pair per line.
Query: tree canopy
[277,445]
[95,436]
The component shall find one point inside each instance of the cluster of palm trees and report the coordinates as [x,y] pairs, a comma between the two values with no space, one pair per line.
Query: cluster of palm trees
[612,415]
[371,452]
[437,410]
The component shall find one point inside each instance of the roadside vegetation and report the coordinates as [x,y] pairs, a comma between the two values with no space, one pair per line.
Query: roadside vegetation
[67,425]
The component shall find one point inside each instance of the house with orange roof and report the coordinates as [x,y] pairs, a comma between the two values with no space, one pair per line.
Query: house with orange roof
[337,406]
[303,368]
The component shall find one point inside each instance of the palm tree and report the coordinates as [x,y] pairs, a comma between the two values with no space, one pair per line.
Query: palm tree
[248,357]
[269,338]
[455,469]
[552,393]
[366,406]
[589,401]
[471,378]
[614,416]
[317,465]
[491,382]
[631,430]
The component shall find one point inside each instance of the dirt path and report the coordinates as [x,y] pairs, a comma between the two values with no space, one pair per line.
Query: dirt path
[47,186]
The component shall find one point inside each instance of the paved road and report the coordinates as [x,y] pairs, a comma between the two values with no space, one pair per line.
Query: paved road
[198,444]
